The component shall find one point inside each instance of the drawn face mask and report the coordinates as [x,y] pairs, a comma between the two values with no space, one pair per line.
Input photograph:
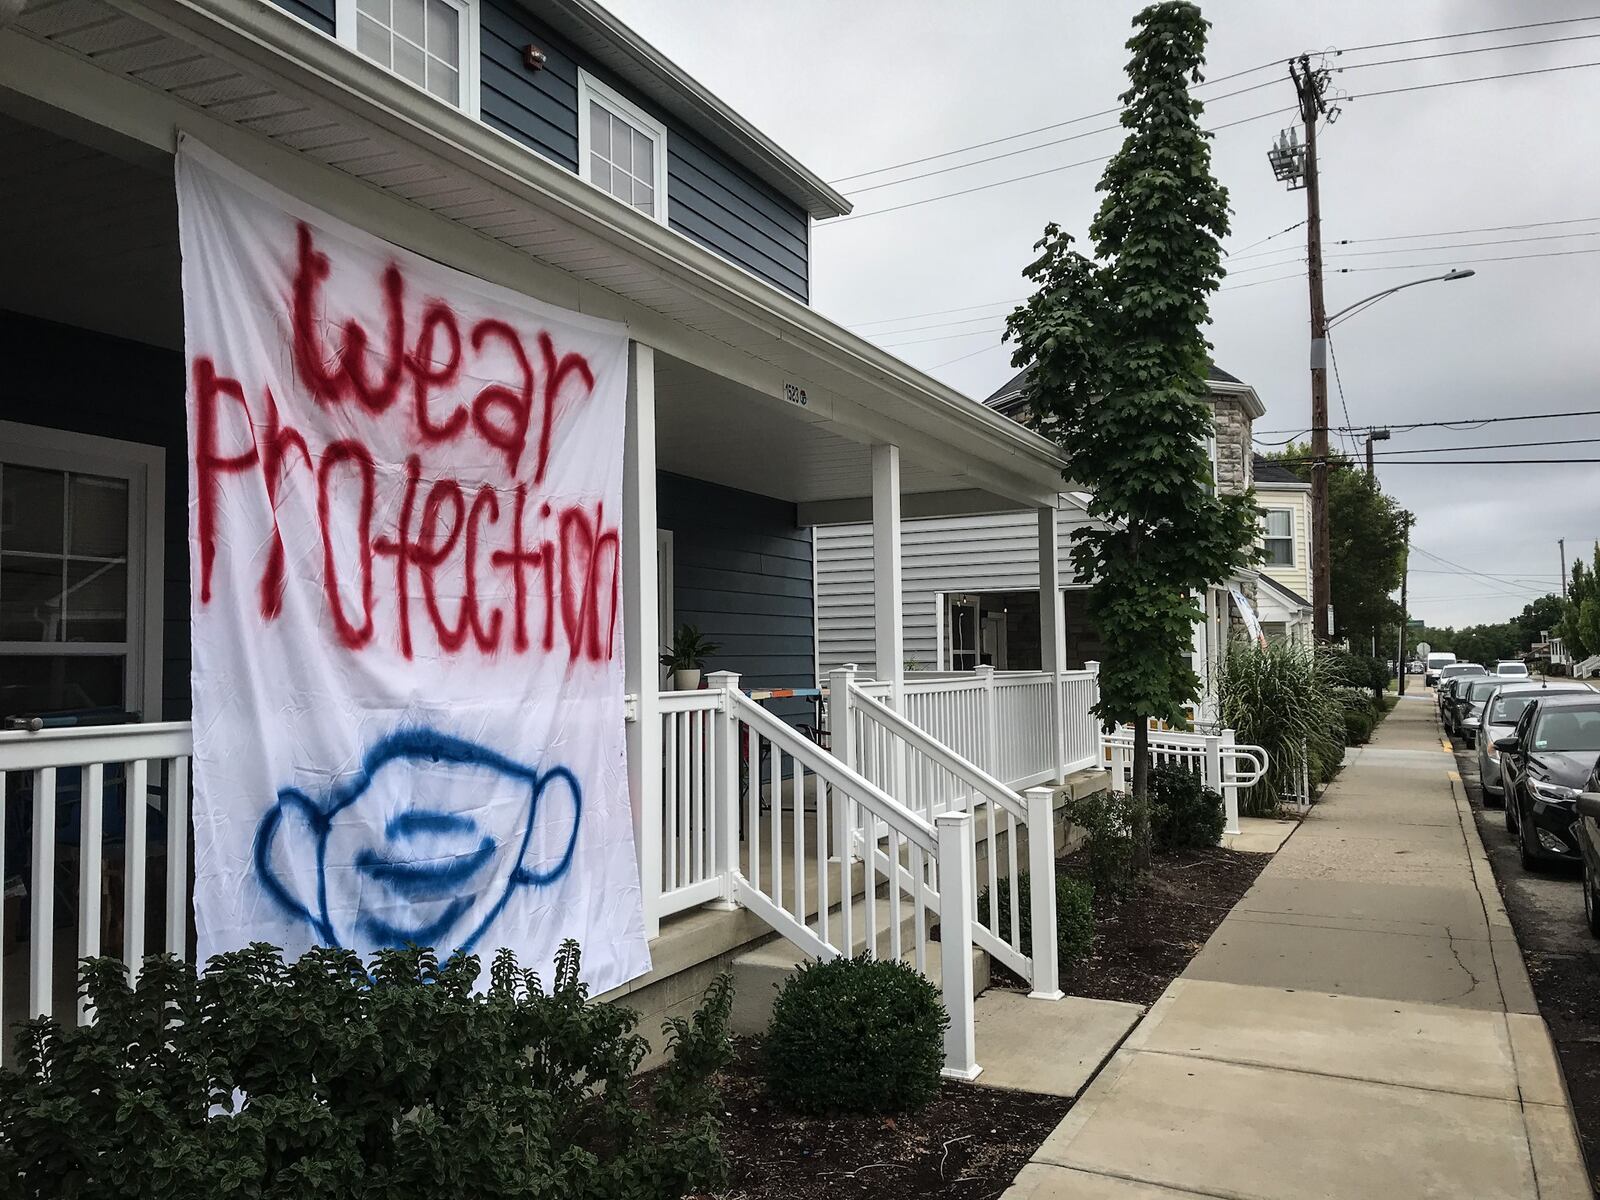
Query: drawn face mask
[425,844]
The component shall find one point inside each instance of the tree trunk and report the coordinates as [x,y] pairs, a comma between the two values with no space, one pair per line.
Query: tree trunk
[1141,794]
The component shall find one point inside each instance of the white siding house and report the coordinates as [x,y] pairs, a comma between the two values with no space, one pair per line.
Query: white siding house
[1285,502]
[969,582]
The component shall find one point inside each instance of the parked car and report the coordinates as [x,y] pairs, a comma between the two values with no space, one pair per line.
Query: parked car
[1510,668]
[1451,679]
[1436,663]
[1544,764]
[1588,829]
[1499,718]
[1475,692]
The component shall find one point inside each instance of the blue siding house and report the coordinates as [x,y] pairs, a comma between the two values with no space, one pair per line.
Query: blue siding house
[542,146]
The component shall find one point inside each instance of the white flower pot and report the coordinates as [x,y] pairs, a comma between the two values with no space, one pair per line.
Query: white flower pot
[687,681]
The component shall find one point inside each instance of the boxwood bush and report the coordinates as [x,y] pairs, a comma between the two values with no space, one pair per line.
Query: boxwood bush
[1184,813]
[855,1035]
[1074,916]
[1107,821]
[322,1078]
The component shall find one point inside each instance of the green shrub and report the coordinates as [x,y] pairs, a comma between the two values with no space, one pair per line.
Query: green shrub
[1184,813]
[1282,697]
[1074,916]
[1107,819]
[1357,727]
[855,1035]
[321,1079]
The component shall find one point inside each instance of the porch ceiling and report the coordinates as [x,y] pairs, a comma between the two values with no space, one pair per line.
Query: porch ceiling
[291,103]
[710,427]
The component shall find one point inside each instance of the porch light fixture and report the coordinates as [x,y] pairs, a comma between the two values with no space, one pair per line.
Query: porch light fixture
[534,58]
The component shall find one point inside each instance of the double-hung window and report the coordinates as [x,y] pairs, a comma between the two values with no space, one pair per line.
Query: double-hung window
[1278,534]
[80,573]
[621,149]
[431,43]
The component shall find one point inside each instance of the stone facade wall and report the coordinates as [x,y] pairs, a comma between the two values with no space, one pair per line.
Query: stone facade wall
[1234,470]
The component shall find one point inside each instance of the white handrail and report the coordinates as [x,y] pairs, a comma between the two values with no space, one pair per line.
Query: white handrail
[974,775]
[876,801]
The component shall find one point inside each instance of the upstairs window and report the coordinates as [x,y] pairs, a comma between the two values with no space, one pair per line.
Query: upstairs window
[621,149]
[1278,526]
[427,42]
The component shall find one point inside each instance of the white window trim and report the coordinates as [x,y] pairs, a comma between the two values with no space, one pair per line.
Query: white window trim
[591,89]
[144,467]
[1294,557]
[344,32]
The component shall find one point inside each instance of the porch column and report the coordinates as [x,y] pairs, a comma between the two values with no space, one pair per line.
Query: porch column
[1053,632]
[640,635]
[888,619]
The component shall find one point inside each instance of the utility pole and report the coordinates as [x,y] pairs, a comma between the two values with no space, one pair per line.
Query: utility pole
[1296,165]
[1375,435]
[1562,542]
[1405,613]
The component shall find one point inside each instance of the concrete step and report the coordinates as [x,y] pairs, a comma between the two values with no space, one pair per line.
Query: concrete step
[758,973]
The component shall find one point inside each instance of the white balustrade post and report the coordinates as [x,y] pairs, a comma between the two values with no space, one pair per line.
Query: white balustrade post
[725,775]
[888,618]
[641,639]
[1053,635]
[990,753]
[1042,893]
[42,894]
[842,736]
[1215,781]
[957,910]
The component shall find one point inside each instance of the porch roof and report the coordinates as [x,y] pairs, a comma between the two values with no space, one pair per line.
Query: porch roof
[292,104]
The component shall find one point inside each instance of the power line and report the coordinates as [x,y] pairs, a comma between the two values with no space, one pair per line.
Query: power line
[1424,87]
[1390,62]
[983,187]
[1428,266]
[1442,37]
[961,358]
[1468,462]
[1108,112]
[1544,237]
[1460,422]
[1011,137]
[1398,237]
[1490,446]
[1334,358]
[1260,241]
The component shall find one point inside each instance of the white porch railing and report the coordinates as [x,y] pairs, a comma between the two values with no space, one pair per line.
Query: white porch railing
[1005,722]
[1225,766]
[932,778]
[67,782]
[690,874]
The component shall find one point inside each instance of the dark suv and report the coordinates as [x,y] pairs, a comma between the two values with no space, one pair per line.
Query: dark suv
[1544,765]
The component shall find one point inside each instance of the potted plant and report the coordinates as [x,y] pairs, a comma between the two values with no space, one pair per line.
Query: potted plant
[686,657]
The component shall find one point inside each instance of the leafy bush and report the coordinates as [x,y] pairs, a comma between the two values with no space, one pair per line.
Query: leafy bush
[1358,725]
[1184,813]
[1107,819]
[323,1079]
[855,1035]
[1074,916]
[1282,697]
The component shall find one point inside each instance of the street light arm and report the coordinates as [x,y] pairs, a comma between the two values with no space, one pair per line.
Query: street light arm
[1349,309]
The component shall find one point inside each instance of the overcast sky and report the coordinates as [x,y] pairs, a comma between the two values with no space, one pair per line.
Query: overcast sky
[848,86]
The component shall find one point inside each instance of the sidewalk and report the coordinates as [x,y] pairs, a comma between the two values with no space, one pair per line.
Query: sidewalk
[1361,1024]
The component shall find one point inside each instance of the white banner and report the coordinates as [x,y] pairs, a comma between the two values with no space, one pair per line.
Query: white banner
[1247,612]
[405,503]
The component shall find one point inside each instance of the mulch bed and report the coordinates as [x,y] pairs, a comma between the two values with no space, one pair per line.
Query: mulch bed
[1143,941]
[968,1144]
[971,1141]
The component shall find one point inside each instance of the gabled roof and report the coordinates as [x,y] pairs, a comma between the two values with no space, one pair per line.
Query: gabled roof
[1274,474]
[598,31]
[1008,397]
[1289,594]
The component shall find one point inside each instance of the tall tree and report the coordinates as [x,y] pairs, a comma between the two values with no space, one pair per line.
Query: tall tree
[1366,549]
[1118,375]
[1579,622]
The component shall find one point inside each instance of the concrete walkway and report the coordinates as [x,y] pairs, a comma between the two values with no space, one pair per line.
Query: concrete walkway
[1359,1026]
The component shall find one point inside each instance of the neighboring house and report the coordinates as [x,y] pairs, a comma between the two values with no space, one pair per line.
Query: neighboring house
[541,145]
[968,581]
[1285,573]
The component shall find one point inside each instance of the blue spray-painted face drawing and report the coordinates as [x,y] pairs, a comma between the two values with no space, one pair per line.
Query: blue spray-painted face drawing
[426,843]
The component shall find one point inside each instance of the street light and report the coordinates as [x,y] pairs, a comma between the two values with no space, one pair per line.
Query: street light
[1350,310]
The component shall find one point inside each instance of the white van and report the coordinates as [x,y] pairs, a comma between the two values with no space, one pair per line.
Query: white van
[1435,662]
